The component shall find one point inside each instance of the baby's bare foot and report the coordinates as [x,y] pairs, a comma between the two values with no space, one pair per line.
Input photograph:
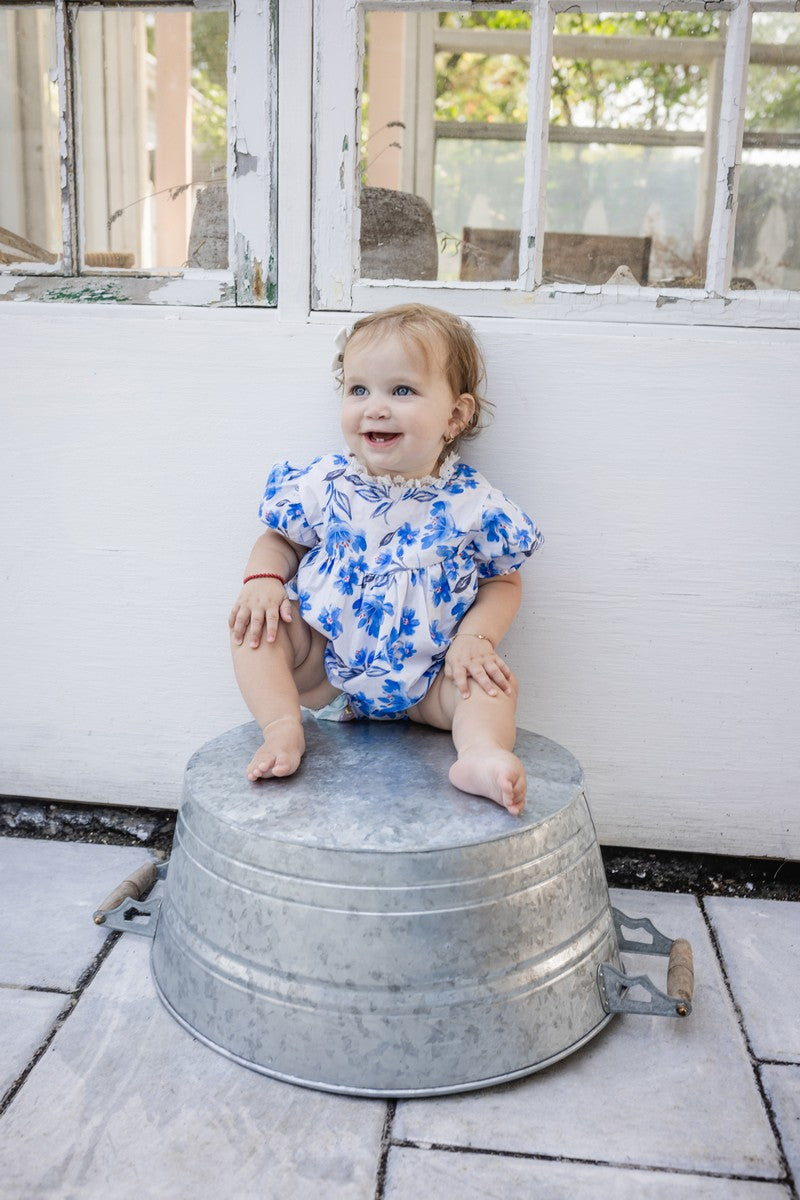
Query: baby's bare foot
[492,772]
[284,743]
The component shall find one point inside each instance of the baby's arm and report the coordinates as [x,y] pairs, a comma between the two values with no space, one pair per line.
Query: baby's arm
[491,615]
[263,602]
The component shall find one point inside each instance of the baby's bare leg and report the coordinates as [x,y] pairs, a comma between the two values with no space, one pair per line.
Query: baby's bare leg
[274,677]
[484,731]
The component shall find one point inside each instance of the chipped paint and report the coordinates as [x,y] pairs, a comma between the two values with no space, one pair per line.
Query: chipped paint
[194,289]
[103,292]
[252,98]
[258,281]
[730,183]
[272,285]
[244,162]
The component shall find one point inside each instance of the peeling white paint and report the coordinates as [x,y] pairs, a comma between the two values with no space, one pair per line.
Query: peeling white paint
[252,108]
[338,46]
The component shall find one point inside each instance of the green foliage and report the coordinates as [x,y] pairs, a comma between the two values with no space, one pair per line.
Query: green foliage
[481,87]
[210,46]
[606,92]
[641,95]
[210,82]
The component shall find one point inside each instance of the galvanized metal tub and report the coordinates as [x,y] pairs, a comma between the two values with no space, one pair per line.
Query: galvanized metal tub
[366,927]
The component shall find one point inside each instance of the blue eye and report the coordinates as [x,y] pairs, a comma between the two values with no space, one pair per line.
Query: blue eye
[403,390]
[358,389]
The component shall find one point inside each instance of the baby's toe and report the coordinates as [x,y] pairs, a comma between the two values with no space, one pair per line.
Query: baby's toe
[258,770]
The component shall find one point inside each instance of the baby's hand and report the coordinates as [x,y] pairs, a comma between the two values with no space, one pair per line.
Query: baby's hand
[262,603]
[471,657]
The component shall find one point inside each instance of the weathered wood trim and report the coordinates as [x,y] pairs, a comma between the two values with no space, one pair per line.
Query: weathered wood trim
[532,224]
[193,288]
[729,149]
[576,302]
[252,151]
[338,46]
[66,138]
[294,159]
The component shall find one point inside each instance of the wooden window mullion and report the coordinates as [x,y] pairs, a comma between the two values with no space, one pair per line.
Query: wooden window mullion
[337,55]
[64,25]
[536,145]
[729,148]
[252,153]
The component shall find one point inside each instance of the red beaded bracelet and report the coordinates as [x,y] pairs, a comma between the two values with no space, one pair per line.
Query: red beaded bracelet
[264,575]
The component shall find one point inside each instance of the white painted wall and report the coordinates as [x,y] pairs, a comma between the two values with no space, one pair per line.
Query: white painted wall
[658,638]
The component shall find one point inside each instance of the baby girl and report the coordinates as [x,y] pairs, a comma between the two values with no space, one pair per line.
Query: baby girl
[388,576]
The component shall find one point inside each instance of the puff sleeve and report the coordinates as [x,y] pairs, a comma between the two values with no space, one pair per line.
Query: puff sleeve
[507,537]
[288,505]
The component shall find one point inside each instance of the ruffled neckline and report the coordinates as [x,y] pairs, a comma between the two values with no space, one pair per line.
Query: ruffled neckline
[446,472]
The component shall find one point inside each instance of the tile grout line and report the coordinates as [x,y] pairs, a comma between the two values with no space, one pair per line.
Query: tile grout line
[386,1145]
[755,1062]
[613,1165]
[72,997]
[34,987]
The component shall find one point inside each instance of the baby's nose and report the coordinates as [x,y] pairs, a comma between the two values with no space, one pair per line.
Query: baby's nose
[378,405]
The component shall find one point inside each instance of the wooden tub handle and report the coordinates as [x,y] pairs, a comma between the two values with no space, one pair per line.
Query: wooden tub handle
[135,886]
[680,975]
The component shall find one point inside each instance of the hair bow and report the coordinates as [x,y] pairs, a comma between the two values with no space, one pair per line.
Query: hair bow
[340,341]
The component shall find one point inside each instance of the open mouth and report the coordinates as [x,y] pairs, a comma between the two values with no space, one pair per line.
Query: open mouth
[381,439]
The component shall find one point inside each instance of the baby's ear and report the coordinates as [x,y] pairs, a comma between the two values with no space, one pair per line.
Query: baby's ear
[464,410]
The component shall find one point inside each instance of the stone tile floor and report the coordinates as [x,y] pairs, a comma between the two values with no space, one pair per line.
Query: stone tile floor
[104,1095]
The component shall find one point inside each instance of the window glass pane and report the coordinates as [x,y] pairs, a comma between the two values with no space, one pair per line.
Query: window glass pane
[443,138]
[632,151]
[30,202]
[767,245]
[153,117]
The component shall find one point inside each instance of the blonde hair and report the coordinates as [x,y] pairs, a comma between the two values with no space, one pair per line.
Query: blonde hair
[463,363]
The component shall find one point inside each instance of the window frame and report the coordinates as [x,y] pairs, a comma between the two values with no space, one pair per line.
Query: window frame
[339,32]
[251,277]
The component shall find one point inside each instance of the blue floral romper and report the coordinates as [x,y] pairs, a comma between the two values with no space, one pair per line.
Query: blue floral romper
[392,567]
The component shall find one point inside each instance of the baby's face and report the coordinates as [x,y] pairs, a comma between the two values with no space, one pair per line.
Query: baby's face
[398,411]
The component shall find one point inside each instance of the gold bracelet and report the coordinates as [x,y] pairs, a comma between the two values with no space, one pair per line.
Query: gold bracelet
[482,637]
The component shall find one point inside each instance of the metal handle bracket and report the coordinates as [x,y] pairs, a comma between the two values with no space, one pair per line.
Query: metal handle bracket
[126,909]
[615,985]
[125,916]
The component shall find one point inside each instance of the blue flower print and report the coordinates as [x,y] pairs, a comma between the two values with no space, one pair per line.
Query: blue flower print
[439,636]
[371,611]
[398,649]
[440,590]
[283,473]
[349,575]
[395,697]
[458,610]
[406,536]
[304,600]
[451,561]
[441,527]
[408,621]
[329,620]
[496,525]
[340,538]
[523,539]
